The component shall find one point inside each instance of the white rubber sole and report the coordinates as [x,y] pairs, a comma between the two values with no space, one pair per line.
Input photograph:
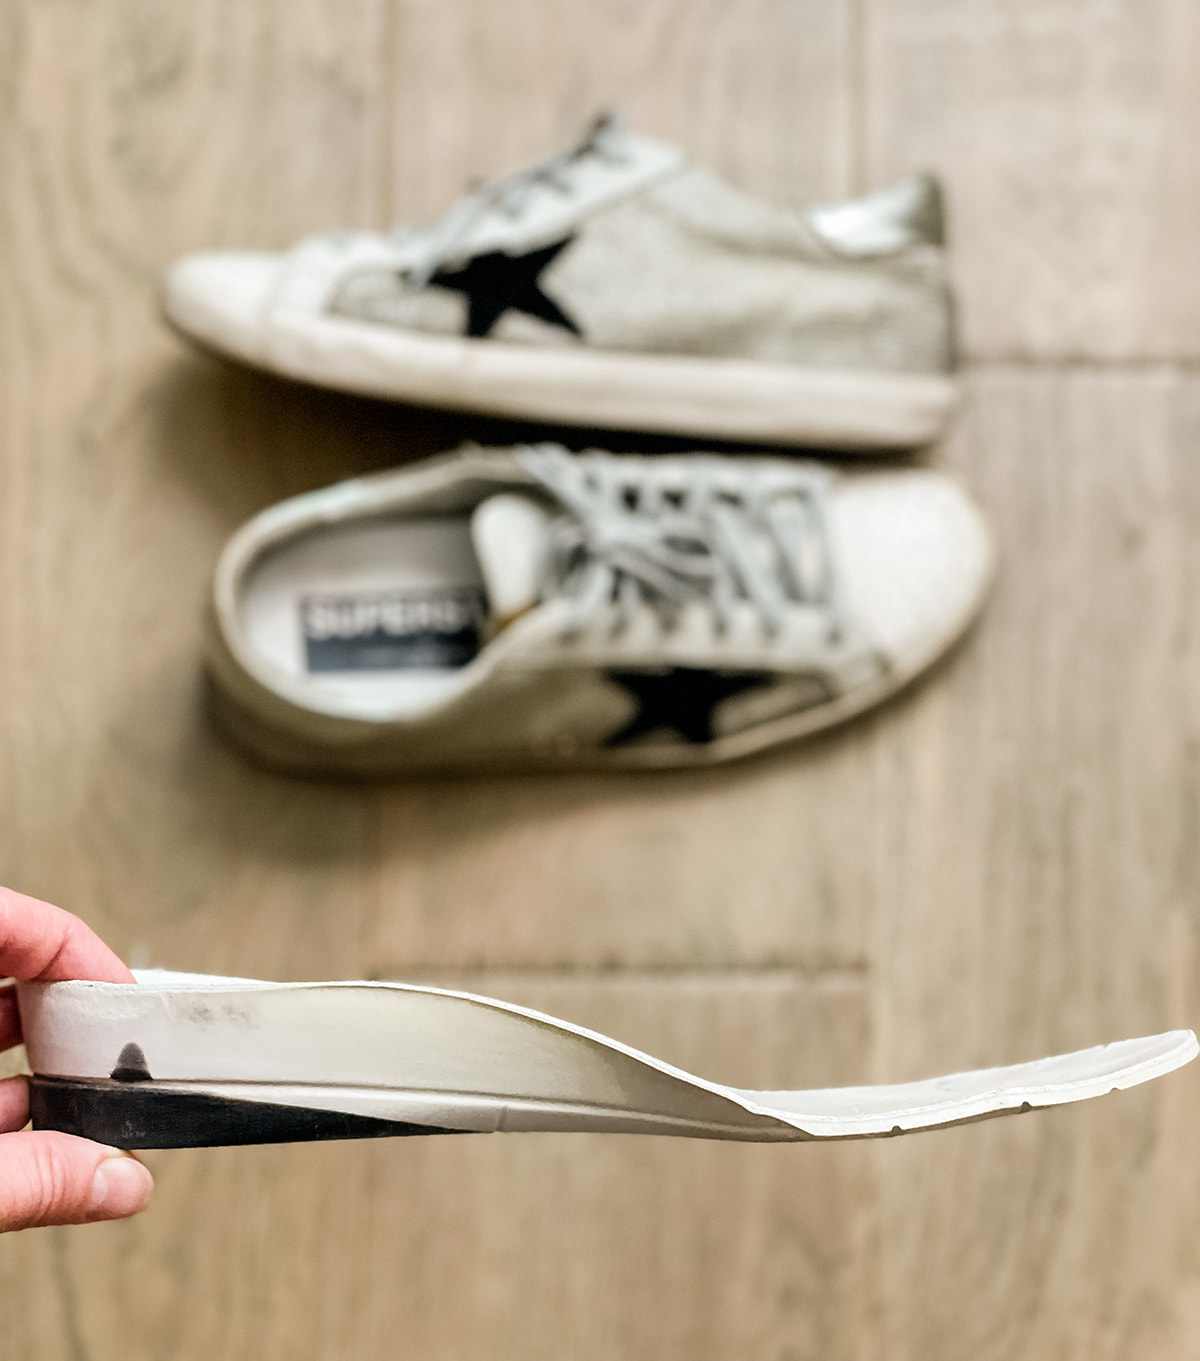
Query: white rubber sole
[705,398]
[182,1060]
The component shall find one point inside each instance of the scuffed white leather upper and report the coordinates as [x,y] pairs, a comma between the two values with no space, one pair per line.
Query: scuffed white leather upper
[657,258]
[896,563]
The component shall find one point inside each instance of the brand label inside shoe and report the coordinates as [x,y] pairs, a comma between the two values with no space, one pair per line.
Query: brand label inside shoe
[408,630]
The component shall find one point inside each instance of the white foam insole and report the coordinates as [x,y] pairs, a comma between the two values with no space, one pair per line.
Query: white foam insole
[364,611]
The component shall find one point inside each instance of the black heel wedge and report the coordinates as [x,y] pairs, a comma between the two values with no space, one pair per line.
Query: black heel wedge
[140,1114]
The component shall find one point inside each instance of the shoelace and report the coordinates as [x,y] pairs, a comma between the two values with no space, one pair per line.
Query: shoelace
[511,195]
[630,539]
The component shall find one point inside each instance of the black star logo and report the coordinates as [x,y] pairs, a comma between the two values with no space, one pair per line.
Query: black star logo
[681,699]
[496,283]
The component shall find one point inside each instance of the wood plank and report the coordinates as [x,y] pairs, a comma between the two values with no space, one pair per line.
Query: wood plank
[1042,888]
[1064,133]
[127,463]
[536,1246]
[744,865]
[758,89]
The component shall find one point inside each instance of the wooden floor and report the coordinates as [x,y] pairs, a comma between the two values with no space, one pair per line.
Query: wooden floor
[1001,864]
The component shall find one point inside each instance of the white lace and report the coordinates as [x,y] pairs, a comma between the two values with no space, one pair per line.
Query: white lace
[633,537]
[510,196]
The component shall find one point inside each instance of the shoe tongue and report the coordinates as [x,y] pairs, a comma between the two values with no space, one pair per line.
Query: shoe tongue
[511,535]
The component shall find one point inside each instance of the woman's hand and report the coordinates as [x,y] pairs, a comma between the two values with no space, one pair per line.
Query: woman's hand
[48,1178]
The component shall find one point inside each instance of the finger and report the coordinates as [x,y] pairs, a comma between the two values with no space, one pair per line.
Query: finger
[42,943]
[10,1021]
[14,1104]
[58,1179]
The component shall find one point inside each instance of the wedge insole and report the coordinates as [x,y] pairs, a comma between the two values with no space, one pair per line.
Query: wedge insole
[380,613]
[176,1059]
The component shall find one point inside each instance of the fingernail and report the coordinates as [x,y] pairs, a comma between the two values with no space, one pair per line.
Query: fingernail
[120,1186]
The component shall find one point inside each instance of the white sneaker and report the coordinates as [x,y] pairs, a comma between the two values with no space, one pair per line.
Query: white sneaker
[529,608]
[183,1060]
[614,285]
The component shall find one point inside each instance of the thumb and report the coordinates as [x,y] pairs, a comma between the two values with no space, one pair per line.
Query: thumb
[48,1178]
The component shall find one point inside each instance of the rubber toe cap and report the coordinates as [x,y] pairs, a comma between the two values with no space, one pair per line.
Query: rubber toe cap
[219,299]
[916,560]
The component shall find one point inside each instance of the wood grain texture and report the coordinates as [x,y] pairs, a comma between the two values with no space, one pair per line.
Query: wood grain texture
[1065,134]
[1043,886]
[759,89]
[999,864]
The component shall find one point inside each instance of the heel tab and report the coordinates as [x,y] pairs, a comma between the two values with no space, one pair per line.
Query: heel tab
[908,213]
[927,210]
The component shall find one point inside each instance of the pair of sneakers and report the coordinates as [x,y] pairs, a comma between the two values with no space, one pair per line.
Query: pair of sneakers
[531,607]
